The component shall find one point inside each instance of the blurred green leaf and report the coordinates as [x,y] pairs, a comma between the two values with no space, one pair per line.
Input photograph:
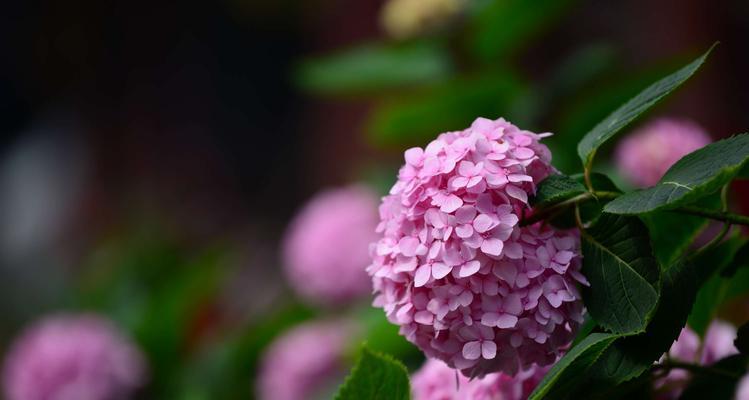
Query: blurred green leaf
[416,118]
[500,27]
[577,113]
[376,67]
[693,177]
[718,289]
[625,114]
[740,260]
[624,276]
[383,336]
[374,377]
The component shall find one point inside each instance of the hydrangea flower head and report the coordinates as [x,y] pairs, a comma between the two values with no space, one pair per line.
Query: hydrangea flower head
[645,155]
[718,343]
[304,361]
[70,357]
[326,246]
[454,268]
[437,381]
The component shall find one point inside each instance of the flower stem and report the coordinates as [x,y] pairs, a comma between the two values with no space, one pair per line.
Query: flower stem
[724,216]
[696,369]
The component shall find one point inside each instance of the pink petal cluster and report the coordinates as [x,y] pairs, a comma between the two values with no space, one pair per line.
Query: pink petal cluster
[645,155]
[326,247]
[437,381]
[70,357]
[454,268]
[718,343]
[303,362]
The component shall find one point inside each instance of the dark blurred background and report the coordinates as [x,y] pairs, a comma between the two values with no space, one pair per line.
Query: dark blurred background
[136,130]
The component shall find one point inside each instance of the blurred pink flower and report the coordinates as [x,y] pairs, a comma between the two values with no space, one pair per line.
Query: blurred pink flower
[646,154]
[325,248]
[718,343]
[437,381]
[304,362]
[72,357]
[742,389]
[455,270]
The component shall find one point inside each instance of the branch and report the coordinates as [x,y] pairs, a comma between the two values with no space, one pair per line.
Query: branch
[696,369]
[724,216]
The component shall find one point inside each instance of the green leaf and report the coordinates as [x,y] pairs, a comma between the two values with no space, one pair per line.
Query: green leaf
[415,118]
[671,234]
[744,173]
[620,118]
[570,369]
[740,260]
[376,376]
[717,386]
[695,176]
[555,189]
[374,67]
[624,276]
[590,209]
[586,107]
[630,356]
[719,288]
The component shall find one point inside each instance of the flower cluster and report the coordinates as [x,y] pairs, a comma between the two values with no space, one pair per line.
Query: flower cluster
[325,248]
[304,361]
[437,381]
[645,155]
[465,282]
[72,357]
[718,343]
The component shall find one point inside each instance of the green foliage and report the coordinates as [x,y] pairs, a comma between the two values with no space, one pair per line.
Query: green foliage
[630,356]
[384,337]
[719,288]
[376,67]
[695,176]
[375,376]
[556,188]
[501,26]
[416,118]
[671,234]
[620,118]
[624,276]
[563,376]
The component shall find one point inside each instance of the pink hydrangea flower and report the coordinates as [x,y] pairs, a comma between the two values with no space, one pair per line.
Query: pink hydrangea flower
[436,381]
[326,247]
[304,362]
[454,268]
[70,357]
[646,154]
[718,344]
